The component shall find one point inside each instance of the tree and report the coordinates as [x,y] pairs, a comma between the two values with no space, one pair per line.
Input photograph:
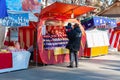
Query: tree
[46,2]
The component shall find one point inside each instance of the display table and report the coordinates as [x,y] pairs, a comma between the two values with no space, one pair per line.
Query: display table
[20,60]
[5,60]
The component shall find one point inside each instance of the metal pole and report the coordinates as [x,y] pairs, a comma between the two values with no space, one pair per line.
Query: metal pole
[35,47]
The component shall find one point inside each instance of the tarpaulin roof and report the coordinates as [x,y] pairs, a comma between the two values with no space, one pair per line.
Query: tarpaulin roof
[63,9]
[91,22]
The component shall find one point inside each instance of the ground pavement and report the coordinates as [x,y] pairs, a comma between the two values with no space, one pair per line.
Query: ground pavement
[97,68]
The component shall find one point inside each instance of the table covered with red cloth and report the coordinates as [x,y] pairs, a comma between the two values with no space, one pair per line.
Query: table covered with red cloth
[5,60]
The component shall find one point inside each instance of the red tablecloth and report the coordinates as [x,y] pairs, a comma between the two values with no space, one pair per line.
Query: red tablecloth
[5,60]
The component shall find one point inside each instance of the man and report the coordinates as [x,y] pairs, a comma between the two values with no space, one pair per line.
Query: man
[69,45]
[74,44]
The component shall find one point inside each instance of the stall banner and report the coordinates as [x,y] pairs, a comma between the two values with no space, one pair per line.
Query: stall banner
[104,20]
[51,42]
[60,51]
[114,38]
[16,19]
[3,9]
[102,27]
[98,21]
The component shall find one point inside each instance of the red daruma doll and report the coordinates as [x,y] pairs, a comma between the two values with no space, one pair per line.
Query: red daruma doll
[17,45]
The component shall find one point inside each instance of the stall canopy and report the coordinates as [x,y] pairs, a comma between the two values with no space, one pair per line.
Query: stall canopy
[64,10]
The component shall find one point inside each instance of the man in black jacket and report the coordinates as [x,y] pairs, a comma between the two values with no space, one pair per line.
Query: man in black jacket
[74,44]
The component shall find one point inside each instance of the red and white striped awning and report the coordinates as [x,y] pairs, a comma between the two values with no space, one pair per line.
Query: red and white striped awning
[114,38]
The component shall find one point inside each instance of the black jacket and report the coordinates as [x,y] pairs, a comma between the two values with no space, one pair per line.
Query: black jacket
[74,39]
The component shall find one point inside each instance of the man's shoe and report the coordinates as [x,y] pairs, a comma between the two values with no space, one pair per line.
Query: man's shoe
[76,66]
[70,66]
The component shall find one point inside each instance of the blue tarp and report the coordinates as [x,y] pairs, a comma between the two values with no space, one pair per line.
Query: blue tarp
[15,5]
[3,9]
[97,21]
[16,19]
[24,5]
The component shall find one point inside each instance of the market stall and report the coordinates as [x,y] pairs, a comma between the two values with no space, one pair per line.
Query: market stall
[13,57]
[113,11]
[15,14]
[97,43]
[17,59]
[51,45]
[97,35]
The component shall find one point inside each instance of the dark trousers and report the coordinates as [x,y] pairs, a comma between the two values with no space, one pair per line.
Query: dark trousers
[73,57]
[31,56]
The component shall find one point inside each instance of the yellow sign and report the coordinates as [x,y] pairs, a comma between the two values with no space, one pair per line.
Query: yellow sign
[59,51]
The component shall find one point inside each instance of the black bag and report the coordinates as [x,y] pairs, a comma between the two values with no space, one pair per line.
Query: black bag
[69,46]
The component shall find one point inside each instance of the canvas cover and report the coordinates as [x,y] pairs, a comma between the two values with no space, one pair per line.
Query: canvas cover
[59,9]
[97,21]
